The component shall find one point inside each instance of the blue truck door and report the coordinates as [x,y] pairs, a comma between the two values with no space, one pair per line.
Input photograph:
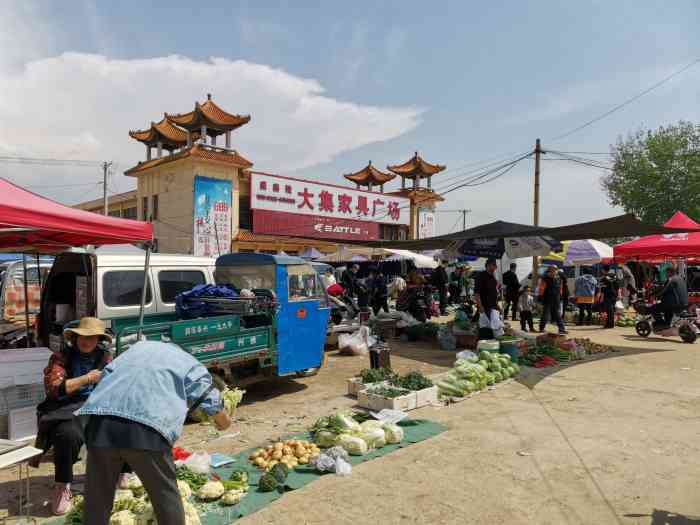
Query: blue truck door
[301,330]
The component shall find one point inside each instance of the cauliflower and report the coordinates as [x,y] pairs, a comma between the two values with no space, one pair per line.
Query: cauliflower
[184,488]
[392,433]
[133,483]
[123,517]
[211,491]
[232,497]
[191,515]
[144,514]
[123,500]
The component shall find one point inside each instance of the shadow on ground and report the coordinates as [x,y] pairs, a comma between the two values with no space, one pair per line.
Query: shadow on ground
[664,517]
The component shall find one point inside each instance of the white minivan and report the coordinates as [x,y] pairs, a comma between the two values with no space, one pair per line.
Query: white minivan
[107,283]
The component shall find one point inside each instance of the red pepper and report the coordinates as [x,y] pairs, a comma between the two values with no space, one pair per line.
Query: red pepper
[180,454]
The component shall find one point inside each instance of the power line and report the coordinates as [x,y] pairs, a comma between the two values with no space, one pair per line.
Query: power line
[628,101]
[50,161]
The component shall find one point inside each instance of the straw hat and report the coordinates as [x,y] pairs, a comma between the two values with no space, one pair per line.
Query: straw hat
[89,326]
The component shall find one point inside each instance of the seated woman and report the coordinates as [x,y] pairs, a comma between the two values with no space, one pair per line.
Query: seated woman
[69,378]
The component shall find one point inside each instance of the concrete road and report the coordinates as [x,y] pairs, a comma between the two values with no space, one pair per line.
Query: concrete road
[608,440]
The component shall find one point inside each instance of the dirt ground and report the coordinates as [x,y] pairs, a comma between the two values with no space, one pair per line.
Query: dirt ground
[609,440]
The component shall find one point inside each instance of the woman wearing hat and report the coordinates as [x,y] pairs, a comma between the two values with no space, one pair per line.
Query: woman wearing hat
[70,376]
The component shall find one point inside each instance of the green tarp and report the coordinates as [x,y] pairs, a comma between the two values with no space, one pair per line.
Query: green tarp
[415,430]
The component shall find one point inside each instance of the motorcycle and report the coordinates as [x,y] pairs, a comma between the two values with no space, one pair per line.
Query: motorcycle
[416,301]
[650,320]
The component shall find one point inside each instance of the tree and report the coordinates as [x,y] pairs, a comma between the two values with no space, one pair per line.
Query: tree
[656,173]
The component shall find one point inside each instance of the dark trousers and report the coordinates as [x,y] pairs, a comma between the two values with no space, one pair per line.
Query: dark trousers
[379,303]
[526,319]
[156,471]
[585,311]
[442,292]
[609,309]
[511,301]
[67,438]
[550,313]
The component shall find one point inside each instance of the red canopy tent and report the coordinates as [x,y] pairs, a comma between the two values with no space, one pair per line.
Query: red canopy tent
[666,246]
[29,222]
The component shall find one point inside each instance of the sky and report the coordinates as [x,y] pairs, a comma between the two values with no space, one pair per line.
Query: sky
[332,85]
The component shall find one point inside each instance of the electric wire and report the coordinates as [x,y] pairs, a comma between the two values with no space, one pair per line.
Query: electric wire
[628,101]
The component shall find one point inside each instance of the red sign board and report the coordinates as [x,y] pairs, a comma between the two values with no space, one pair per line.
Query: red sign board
[297,225]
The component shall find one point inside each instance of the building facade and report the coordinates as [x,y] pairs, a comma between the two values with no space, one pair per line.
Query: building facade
[204,198]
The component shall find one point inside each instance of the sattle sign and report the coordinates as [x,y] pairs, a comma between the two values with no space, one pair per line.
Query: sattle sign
[266,221]
[293,196]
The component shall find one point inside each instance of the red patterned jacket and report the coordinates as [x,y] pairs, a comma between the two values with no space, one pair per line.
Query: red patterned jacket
[56,373]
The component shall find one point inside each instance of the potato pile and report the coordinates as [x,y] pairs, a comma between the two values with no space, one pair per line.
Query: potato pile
[290,453]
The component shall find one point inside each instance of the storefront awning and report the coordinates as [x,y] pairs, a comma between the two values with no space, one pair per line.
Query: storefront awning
[29,222]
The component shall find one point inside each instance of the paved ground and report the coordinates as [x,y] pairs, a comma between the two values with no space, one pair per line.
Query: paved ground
[609,440]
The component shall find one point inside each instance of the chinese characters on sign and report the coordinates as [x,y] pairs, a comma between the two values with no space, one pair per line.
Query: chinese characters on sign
[426,223]
[282,195]
[212,216]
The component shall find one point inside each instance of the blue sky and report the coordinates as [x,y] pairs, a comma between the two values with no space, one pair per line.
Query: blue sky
[459,81]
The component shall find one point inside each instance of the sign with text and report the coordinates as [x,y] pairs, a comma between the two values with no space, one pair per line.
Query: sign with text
[266,221]
[212,216]
[426,223]
[283,195]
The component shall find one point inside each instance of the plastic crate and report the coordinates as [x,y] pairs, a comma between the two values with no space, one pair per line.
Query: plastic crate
[18,396]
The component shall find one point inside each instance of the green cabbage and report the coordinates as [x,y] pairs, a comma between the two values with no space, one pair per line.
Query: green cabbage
[353,445]
[393,433]
[375,437]
[325,439]
[498,377]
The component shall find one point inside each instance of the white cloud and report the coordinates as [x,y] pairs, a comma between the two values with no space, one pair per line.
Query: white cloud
[77,105]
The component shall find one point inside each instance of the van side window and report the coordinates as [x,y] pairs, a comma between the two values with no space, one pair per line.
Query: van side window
[123,288]
[173,282]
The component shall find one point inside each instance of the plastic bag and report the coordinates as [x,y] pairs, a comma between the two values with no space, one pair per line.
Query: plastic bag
[494,322]
[199,462]
[467,355]
[342,467]
[619,307]
[357,343]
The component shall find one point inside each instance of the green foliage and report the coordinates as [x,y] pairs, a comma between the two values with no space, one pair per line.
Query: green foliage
[657,173]
[411,381]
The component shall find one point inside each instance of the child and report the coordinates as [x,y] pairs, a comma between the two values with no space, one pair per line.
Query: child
[526,303]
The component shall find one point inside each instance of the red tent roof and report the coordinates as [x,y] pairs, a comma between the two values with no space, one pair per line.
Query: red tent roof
[658,247]
[29,222]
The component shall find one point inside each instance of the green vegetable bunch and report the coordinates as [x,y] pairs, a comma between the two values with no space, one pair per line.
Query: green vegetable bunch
[411,381]
[387,392]
[194,479]
[376,375]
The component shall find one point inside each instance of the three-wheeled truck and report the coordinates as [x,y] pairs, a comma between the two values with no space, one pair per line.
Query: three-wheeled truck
[278,330]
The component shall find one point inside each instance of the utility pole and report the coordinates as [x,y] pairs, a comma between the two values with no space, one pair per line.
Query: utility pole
[105,171]
[464,218]
[536,214]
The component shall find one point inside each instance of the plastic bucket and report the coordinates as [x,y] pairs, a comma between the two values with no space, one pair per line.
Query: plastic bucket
[511,347]
[488,345]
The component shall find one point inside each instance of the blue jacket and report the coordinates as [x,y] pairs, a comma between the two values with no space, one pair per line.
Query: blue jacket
[585,286]
[153,384]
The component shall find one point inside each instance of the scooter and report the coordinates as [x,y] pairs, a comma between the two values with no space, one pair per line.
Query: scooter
[683,325]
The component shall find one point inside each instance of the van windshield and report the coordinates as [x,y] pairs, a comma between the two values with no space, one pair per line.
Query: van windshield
[246,276]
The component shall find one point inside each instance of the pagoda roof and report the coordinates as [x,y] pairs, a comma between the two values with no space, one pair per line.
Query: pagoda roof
[370,175]
[197,151]
[210,115]
[416,167]
[169,135]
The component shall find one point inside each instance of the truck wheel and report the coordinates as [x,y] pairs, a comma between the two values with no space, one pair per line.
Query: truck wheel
[687,334]
[643,328]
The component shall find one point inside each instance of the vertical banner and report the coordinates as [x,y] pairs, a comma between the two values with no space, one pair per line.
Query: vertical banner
[212,216]
[426,223]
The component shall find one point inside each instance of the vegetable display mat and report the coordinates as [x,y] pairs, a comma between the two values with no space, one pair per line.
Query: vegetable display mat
[415,431]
